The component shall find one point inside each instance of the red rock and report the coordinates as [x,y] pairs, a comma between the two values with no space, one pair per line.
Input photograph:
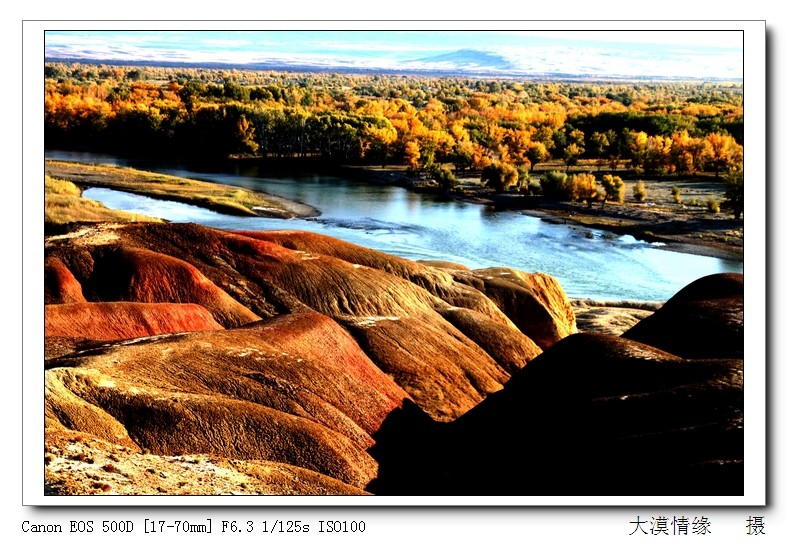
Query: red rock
[444,372]
[325,342]
[124,320]
[124,273]
[536,303]
[60,285]
[266,391]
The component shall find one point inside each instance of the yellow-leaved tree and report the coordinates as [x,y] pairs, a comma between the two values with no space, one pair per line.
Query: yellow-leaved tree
[614,189]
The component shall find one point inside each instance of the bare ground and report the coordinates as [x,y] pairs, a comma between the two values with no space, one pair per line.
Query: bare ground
[610,317]
[686,227]
[77,463]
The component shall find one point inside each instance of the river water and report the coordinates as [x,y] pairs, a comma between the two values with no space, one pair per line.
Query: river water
[588,263]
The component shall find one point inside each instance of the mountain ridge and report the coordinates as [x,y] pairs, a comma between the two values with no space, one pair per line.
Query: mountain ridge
[411,69]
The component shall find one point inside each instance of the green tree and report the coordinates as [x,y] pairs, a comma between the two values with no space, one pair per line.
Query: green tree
[554,185]
[572,153]
[734,193]
[234,91]
[599,143]
[443,176]
[462,155]
[614,189]
[135,75]
[500,176]
[537,153]
[523,177]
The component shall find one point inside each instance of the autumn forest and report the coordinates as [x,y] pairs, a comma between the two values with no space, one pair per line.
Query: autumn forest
[662,127]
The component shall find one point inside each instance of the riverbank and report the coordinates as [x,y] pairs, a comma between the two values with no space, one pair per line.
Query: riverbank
[689,232]
[687,226]
[209,195]
[610,317]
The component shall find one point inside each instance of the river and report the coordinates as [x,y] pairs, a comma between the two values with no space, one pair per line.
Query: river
[588,263]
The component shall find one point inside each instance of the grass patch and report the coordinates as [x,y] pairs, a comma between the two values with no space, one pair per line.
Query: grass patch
[603,222]
[63,203]
[56,186]
[209,195]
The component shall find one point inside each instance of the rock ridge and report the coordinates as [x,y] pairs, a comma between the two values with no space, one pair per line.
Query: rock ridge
[299,357]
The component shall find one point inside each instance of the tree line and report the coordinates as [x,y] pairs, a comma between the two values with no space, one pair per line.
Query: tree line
[500,128]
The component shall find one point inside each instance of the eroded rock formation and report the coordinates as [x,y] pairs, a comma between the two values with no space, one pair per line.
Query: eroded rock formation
[594,415]
[294,354]
[704,319]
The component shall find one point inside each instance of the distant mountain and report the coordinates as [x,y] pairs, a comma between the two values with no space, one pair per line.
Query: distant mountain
[460,63]
[465,59]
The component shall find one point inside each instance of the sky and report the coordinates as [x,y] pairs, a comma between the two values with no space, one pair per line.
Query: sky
[617,53]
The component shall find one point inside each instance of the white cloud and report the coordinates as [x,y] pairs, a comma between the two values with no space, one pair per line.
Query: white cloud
[573,52]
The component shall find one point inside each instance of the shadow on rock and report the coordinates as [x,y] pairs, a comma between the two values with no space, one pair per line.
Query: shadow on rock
[594,415]
[705,319]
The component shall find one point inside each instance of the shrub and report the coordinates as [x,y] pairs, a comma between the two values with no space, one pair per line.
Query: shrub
[500,176]
[562,187]
[523,176]
[443,176]
[640,192]
[583,187]
[676,193]
[614,189]
[554,184]
[734,193]
[572,154]
[534,188]
[713,206]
